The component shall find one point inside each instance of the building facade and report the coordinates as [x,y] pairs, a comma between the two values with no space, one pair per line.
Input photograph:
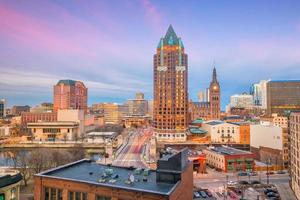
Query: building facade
[229,159]
[295,152]
[87,180]
[241,101]
[283,96]
[18,110]
[114,113]
[137,106]
[27,117]
[259,93]
[2,108]
[222,132]
[211,109]
[170,115]
[70,94]
[270,143]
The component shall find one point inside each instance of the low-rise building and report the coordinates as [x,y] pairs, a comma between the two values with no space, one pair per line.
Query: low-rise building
[52,131]
[17,110]
[87,180]
[31,117]
[101,137]
[10,181]
[222,132]
[270,143]
[229,159]
[5,131]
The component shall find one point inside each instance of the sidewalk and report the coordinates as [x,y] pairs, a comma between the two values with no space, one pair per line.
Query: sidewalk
[285,191]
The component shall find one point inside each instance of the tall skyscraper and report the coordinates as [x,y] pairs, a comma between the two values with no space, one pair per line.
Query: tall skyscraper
[283,96]
[2,108]
[214,96]
[170,88]
[70,94]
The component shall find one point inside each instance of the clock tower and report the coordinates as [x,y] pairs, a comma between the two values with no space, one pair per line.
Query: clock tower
[214,96]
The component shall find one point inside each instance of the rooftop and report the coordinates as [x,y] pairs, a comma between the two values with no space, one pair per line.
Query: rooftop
[66,82]
[224,150]
[8,177]
[213,123]
[104,134]
[86,171]
[197,131]
[283,81]
[198,121]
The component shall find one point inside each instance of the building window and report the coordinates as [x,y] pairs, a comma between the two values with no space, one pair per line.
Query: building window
[77,196]
[13,194]
[100,197]
[53,193]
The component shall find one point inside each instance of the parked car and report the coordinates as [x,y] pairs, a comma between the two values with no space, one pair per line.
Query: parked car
[196,195]
[243,174]
[253,173]
[231,183]
[209,194]
[272,194]
[268,190]
[203,194]
[270,173]
[255,182]
[243,182]
[280,172]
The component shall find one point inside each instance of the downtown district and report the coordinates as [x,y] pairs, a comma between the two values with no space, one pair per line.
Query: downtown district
[165,148]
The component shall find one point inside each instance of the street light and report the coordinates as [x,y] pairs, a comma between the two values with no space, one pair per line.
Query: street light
[268,162]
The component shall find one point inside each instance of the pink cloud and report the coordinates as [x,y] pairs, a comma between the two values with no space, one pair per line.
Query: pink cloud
[152,14]
[29,31]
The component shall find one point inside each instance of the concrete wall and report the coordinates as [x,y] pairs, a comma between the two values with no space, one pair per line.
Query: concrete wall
[266,136]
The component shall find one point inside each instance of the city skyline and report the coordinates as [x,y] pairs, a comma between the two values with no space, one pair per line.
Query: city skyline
[114,58]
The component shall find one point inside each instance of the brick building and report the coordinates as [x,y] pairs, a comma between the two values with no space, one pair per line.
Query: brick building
[229,159]
[87,180]
[209,110]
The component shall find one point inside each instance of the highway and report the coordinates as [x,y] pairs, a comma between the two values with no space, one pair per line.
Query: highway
[132,153]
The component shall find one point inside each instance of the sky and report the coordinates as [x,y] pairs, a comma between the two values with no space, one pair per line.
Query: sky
[109,45]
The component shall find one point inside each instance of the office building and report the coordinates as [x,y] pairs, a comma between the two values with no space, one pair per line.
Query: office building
[114,113]
[203,96]
[170,117]
[229,159]
[43,107]
[259,93]
[87,180]
[18,110]
[295,152]
[27,117]
[69,94]
[52,131]
[2,108]
[283,96]
[241,101]
[137,106]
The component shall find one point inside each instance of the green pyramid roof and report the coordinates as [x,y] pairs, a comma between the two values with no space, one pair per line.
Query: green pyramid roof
[170,39]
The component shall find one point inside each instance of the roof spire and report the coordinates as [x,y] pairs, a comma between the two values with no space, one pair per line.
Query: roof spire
[214,77]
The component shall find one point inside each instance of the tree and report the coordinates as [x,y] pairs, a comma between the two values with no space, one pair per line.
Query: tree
[21,163]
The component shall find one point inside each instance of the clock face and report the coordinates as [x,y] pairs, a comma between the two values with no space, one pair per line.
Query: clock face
[215,87]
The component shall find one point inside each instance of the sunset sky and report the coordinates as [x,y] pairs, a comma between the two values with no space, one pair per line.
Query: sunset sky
[109,45]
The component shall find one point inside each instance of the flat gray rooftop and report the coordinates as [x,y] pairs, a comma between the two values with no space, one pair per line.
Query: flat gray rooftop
[86,171]
[229,151]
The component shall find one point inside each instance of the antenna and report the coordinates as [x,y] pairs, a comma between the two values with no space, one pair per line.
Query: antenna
[131,178]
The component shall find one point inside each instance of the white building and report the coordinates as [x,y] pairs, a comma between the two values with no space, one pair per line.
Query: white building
[222,132]
[203,96]
[241,101]
[73,115]
[259,92]
[5,131]
[266,135]
[269,142]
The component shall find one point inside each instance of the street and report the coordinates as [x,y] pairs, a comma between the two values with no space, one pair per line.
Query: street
[133,151]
